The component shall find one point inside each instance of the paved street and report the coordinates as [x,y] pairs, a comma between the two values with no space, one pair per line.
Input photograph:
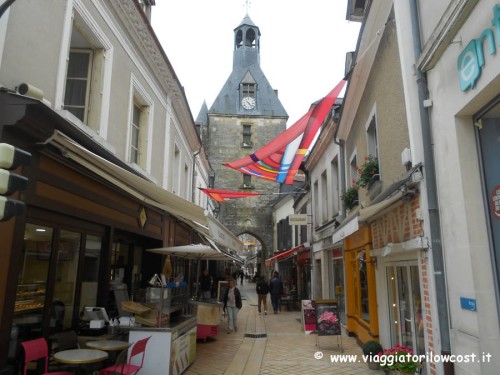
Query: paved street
[272,344]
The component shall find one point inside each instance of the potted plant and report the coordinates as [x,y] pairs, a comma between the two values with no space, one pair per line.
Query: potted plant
[367,172]
[399,359]
[350,197]
[372,349]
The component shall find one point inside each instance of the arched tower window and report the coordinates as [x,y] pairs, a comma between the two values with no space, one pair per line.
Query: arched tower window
[239,39]
[250,38]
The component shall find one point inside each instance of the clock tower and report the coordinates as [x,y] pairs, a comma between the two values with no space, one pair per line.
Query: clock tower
[245,116]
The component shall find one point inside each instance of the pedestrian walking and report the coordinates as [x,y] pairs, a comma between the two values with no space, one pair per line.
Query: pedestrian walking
[276,289]
[242,275]
[262,290]
[232,304]
[206,285]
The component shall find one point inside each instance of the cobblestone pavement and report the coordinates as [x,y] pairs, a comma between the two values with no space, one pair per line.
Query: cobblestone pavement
[273,344]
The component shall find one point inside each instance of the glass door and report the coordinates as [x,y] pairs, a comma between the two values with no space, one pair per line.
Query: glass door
[489,139]
[405,307]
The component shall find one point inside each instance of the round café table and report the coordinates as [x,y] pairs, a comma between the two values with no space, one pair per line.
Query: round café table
[112,346]
[108,345]
[81,358]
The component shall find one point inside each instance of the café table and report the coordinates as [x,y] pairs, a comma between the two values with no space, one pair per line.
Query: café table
[81,358]
[108,345]
[112,346]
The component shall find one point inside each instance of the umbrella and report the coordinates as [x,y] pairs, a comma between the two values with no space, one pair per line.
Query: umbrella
[195,251]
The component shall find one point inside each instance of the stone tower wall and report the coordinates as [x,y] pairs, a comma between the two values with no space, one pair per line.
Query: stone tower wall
[251,215]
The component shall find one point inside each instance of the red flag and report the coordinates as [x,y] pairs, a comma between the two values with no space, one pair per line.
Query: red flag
[223,195]
[280,159]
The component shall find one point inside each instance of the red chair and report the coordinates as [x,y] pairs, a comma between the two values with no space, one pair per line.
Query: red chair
[38,349]
[139,348]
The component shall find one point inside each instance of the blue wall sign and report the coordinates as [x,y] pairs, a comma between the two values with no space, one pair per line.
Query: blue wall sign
[468,303]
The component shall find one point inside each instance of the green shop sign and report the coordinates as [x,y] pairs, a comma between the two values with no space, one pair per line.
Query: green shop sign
[471,60]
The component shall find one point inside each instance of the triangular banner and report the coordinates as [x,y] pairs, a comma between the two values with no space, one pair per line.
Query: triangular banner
[280,159]
[224,195]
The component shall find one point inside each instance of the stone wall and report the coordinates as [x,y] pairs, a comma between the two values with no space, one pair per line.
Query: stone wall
[223,143]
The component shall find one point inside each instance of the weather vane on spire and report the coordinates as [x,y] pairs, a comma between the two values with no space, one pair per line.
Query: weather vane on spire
[247,5]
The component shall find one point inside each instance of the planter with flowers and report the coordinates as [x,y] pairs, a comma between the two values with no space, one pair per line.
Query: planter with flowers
[399,359]
[368,172]
[350,197]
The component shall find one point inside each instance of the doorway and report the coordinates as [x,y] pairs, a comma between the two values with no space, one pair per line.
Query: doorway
[405,307]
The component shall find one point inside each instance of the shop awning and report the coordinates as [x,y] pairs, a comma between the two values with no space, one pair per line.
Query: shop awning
[369,212]
[285,255]
[229,254]
[362,216]
[147,191]
[194,251]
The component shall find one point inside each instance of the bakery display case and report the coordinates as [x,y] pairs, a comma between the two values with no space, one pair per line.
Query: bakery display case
[29,298]
[159,306]
[28,309]
[164,315]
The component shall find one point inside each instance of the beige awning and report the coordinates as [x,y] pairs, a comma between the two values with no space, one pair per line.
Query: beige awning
[369,212]
[147,191]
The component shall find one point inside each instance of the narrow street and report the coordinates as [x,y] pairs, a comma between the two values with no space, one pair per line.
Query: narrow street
[272,344]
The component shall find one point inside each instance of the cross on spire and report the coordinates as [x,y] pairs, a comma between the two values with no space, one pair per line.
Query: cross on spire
[247,5]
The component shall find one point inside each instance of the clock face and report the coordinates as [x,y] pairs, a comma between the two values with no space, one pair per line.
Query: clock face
[248,102]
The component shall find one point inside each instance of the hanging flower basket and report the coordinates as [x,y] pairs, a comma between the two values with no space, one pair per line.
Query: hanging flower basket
[367,172]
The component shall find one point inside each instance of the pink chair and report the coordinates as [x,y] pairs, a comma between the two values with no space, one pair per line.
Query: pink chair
[139,348]
[38,349]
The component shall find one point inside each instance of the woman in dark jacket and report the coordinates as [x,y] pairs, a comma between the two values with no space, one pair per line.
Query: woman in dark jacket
[232,304]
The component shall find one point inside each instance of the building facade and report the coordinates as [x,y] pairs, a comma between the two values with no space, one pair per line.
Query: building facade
[114,157]
[461,73]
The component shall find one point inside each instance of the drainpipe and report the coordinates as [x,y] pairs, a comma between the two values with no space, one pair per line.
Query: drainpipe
[431,187]
[193,189]
[341,145]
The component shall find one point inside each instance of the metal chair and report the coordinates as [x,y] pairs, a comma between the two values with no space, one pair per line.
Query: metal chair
[65,340]
[121,366]
[35,350]
[117,368]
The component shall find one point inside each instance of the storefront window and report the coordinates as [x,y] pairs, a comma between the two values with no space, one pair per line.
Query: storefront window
[363,287]
[405,308]
[32,283]
[66,272]
[92,262]
[338,277]
[119,261]
[489,138]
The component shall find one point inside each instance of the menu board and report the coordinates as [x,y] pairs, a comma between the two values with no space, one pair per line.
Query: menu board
[221,290]
[327,318]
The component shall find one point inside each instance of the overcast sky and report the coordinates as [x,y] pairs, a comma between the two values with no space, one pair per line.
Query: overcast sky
[303,46]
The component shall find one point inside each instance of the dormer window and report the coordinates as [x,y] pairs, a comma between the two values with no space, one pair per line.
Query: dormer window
[146,7]
[248,90]
[355,10]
